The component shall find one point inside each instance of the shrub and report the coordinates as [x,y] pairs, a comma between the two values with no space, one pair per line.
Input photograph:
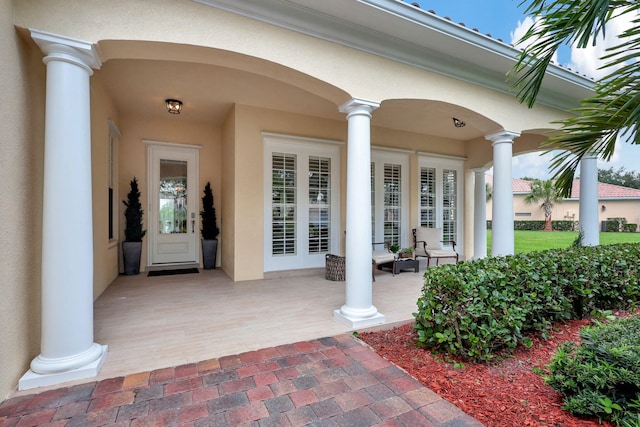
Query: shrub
[563,225]
[630,228]
[601,376]
[615,224]
[210,228]
[133,213]
[476,309]
[528,225]
[534,225]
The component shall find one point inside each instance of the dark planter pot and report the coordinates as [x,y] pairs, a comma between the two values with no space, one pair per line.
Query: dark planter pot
[209,253]
[131,255]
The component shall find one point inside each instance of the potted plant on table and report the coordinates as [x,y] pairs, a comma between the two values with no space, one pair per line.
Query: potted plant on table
[209,230]
[133,232]
[406,253]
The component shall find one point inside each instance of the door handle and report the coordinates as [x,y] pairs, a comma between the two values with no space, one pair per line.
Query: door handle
[193,226]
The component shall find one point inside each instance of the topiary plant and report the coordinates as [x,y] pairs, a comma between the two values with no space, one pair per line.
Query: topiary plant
[133,231]
[210,228]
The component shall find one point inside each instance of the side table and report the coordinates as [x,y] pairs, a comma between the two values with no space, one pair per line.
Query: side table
[402,264]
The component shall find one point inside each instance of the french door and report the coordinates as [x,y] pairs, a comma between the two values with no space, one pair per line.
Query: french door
[441,197]
[389,198]
[173,227]
[301,202]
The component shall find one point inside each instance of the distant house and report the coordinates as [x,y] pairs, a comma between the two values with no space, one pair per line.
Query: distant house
[614,201]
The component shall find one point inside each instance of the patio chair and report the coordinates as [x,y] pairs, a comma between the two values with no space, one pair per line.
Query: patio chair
[381,257]
[427,243]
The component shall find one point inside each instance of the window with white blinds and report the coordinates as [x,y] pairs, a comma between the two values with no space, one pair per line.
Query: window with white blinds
[283,204]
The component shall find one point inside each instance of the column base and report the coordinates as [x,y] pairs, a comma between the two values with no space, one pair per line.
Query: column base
[359,322]
[32,380]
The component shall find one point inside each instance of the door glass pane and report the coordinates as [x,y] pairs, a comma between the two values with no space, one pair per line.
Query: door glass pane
[449,204]
[173,196]
[392,203]
[283,204]
[319,204]
[428,197]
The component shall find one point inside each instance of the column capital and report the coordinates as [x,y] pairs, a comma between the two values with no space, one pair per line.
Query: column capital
[67,49]
[358,106]
[504,136]
[479,171]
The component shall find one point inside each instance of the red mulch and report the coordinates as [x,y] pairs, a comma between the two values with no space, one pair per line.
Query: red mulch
[503,393]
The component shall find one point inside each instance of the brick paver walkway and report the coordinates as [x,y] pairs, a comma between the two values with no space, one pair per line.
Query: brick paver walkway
[334,381]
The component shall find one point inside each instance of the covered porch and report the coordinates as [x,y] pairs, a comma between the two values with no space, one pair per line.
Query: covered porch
[156,322]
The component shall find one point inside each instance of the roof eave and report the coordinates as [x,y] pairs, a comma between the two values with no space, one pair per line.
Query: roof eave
[404,33]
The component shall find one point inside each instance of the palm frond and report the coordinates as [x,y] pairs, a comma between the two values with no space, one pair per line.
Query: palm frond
[563,22]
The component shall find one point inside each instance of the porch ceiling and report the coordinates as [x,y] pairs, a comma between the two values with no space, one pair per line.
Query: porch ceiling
[140,87]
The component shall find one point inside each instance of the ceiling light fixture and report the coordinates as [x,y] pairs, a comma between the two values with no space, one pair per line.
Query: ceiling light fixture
[458,123]
[174,106]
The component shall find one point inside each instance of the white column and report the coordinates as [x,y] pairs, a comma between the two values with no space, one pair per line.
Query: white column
[358,310]
[502,221]
[479,214]
[589,201]
[67,349]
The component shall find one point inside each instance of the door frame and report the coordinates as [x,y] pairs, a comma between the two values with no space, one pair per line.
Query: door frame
[152,148]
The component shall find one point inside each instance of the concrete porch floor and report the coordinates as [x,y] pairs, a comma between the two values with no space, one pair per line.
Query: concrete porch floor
[155,322]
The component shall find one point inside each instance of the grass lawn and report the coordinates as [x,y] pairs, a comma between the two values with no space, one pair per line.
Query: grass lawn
[530,241]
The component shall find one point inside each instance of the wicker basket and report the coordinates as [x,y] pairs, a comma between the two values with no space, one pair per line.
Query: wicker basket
[335,267]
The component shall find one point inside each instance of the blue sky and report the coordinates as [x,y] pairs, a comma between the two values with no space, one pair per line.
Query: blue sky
[504,19]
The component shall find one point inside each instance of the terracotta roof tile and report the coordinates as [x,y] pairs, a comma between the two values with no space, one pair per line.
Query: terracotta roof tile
[605,191]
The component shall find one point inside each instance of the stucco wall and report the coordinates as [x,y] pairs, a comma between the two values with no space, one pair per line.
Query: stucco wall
[133,158]
[105,252]
[21,167]
[248,176]
[629,209]
[226,211]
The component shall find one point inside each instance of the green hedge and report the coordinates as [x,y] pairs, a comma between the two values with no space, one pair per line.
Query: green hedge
[559,225]
[601,376]
[476,309]
[630,228]
[615,224]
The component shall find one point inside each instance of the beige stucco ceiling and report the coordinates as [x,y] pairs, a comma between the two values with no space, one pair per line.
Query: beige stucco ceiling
[140,87]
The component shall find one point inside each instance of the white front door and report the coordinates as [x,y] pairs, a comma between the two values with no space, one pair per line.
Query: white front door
[173,204]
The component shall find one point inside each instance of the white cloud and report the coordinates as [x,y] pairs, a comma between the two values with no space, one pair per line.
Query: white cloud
[532,165]
[587,60]
[521,29]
